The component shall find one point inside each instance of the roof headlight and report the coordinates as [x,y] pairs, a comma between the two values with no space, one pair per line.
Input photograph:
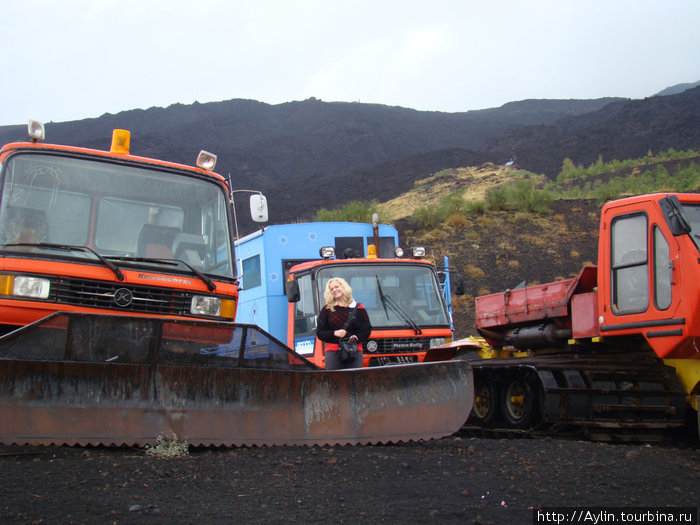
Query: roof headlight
[418,251]
[327,252]
[398,251]
[35,129]
[206,160]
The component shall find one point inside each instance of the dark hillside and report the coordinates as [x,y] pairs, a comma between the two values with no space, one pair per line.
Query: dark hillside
[312,154]
[620,130]
[678,88]
[380,182]
[284,149]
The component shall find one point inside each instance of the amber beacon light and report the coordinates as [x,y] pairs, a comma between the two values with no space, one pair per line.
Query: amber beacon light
[121,139]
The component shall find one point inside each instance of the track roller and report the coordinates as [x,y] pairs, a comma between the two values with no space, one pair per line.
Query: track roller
[486,402]
[521,399]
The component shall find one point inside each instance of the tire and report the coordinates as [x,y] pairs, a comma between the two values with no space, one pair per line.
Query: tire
[520,401]
[485,410]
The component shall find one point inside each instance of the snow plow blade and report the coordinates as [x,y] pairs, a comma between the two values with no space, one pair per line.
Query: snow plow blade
[81,379]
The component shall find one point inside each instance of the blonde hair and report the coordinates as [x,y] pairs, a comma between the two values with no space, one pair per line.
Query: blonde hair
[347,292]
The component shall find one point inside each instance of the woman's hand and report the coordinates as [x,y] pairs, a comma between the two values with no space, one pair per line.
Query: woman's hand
[340,333]
[353,338]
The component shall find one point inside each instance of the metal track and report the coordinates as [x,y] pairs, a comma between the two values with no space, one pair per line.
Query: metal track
[604,397]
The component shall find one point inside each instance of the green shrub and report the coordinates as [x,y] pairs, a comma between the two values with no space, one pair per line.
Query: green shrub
[355,211]
[519,195]
[687,179]
[497,198]
[451,205]
[428,216]
[569,171]
[168,447]
[607,192]
[475,207]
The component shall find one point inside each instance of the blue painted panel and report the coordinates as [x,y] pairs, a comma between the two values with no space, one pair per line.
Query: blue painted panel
[266,305]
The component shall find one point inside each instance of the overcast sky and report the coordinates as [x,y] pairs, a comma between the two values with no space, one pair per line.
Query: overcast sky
[74,59]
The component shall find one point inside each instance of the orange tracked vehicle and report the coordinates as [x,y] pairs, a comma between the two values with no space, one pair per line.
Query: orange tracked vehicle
[118,294]
[615,351]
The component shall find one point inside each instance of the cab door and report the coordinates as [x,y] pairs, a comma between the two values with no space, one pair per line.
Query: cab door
[639,291]
[301,328]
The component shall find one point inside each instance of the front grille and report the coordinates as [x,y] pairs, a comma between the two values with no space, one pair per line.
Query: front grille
[99,294]
[402,345]
[392,360]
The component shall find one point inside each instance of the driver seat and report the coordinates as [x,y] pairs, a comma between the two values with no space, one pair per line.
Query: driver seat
[156,241]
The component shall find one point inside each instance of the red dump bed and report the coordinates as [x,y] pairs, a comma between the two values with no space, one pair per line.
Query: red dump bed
[533,303]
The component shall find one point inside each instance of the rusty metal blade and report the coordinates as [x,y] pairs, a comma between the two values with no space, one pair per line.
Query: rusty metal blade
[113,381]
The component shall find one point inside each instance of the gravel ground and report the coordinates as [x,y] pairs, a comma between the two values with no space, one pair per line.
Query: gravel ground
[453,480]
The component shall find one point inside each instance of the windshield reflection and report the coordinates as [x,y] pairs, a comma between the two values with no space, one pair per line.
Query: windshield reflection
[116,210]
[405,295]
[691,213]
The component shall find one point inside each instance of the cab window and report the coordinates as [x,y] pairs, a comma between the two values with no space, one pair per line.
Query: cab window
[630,264]
[662,271]
[305,309]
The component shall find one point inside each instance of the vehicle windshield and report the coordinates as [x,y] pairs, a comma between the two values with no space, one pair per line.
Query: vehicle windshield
[393,294]
[124,213]
[691,212]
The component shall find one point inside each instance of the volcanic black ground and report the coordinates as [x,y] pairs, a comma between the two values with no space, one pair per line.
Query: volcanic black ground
[453,480]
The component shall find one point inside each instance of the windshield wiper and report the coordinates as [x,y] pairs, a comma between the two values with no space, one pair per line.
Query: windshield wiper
[382,297]
[400,312]
[210,284]
[71,247]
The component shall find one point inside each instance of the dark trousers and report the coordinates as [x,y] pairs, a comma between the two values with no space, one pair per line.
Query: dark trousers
[333,362]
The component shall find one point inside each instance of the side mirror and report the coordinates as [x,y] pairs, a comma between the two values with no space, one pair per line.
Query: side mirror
[258,207]
[291,288]
[459,287]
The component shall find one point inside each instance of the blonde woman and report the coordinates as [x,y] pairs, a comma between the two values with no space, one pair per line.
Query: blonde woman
[332,319]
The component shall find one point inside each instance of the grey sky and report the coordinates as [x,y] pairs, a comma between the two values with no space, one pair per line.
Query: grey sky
[75,59]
